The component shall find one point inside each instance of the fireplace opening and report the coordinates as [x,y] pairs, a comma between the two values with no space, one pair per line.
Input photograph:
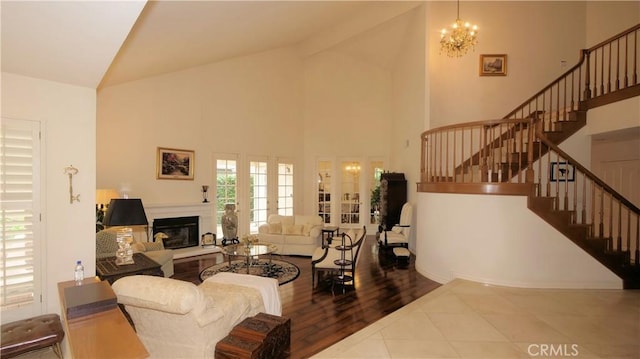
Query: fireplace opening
[180,232]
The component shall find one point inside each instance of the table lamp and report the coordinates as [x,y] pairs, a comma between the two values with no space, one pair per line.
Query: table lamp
[125,213]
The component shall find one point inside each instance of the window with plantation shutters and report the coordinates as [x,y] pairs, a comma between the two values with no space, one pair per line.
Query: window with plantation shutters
[19,213]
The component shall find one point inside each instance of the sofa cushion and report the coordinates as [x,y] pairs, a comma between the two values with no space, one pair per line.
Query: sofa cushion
[160,257]
[275,228]
[164,294]
[153,246]
[295,229]
[138,247]
[299,239]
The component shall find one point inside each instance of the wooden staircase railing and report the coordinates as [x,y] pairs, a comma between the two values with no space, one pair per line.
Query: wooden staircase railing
[587,210]
[518,154]
[606,73]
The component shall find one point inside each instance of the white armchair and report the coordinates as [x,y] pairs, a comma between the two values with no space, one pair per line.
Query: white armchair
[398,235]
[178,319]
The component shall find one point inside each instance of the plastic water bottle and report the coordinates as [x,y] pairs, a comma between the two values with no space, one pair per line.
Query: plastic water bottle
[78,273]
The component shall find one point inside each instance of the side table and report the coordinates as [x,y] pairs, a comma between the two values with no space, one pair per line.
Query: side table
[327,233]
[108,270]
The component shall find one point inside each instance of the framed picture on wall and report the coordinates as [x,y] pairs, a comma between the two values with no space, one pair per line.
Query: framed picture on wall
[175,164]
[561,172]
[493,65]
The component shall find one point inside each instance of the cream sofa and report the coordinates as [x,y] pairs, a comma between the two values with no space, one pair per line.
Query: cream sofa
[293,235]
[178,319]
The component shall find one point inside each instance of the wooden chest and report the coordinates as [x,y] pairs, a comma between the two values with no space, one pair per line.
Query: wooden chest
[263,336]
[232,347]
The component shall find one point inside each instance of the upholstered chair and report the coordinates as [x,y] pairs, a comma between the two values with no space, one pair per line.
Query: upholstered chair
[178,319]
[323,259]
[106,246]
[398,235]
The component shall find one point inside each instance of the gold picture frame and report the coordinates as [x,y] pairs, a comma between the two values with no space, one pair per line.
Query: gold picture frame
[175,164]
[493,65]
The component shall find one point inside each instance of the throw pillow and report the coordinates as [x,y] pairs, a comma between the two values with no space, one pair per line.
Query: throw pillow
[396,229]
[275,228]
[307,229]
[287,228]
[297,229]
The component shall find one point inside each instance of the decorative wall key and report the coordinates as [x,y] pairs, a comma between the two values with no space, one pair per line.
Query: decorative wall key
[71,171]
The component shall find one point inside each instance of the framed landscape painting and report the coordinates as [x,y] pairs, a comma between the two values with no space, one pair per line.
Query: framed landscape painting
[175,164]
[493,65]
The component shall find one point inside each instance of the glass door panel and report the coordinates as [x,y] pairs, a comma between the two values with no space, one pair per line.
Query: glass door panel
[258,200]
[350,189]
[325,170]
[285,189]
[375,170]
[226,188]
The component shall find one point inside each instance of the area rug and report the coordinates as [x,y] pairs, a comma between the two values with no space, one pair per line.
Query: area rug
[283,271]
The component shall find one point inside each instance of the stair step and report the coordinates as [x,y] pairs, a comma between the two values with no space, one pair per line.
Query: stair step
[598,243]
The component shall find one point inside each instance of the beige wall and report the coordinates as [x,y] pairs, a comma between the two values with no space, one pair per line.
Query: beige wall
[490,249]
[535,36]
[67,117]
[625,13]
[249,106]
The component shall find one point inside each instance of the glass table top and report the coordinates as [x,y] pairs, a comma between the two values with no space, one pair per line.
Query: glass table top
[257,249]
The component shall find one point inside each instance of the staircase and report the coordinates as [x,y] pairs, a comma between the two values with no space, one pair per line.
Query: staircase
[519,154]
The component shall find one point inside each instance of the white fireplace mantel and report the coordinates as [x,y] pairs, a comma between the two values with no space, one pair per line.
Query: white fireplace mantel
[202,210]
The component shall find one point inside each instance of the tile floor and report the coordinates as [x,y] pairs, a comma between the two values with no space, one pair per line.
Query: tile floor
[464,319]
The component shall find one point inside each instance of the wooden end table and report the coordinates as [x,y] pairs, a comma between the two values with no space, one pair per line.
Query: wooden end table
[108,270]
[327,233]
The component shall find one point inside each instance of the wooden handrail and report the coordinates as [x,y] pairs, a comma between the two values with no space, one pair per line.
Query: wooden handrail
[588,173]
[546,88]
[485,123]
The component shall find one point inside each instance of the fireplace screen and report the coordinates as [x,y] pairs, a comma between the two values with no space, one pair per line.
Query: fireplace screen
[179,232]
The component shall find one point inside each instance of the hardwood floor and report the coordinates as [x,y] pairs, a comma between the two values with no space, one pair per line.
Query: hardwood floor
[320,318]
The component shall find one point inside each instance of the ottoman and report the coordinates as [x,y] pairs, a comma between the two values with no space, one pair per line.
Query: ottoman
[25,335]
[402,256]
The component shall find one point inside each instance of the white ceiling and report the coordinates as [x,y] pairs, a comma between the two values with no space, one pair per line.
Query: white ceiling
[64,41]
[101,43]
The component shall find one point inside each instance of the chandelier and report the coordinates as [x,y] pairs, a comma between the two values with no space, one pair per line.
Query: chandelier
[457,41]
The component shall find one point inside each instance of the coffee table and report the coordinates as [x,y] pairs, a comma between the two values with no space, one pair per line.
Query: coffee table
[108,270]
[249,252]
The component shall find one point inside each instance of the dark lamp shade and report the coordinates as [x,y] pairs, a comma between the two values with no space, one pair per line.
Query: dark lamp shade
[125,212]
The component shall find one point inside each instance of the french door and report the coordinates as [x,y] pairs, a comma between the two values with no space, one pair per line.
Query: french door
[257,185]
[258,196]
[226,186]
[347,191]
[285,187]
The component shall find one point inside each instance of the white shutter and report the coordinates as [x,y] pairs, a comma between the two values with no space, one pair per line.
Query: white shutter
[19,222]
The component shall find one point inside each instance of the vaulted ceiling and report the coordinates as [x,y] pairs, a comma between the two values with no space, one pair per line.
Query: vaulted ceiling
[102,43]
